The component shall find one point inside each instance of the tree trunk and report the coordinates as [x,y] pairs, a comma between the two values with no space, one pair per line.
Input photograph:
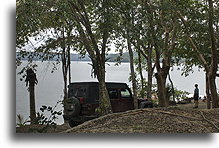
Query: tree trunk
[64,58]
[133,77]
[147,54]
[161,90]
[64,74]
[90,41]
[214,64]
[65,82]
[64,70]
[32,103]
[69,60]
[105,106]
[208,93]
[161,77]
[173,91]
[140,72]
[150,75]
[213,90]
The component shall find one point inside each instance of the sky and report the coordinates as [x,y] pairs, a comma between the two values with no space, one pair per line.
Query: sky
[39,40]
[9,139]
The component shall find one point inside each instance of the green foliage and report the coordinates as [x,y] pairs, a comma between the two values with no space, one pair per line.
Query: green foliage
[39,25]
[98,111]
[21,122]
[50,121]
[93,25]
[22,72]
[43,120]
[196,14]
[179,94]
[49,17]
[142,91]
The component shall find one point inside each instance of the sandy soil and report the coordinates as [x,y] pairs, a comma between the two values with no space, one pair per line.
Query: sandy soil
[175,119]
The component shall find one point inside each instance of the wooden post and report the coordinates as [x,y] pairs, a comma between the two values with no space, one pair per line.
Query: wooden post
[32,80]
[32,103]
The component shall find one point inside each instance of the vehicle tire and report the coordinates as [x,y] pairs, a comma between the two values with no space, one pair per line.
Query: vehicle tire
[73,123]
[73,106]
[146,104]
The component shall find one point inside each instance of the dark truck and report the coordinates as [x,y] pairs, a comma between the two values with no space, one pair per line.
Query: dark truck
[83,99]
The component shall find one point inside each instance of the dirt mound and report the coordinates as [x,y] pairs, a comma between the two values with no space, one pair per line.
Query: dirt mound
[155,120]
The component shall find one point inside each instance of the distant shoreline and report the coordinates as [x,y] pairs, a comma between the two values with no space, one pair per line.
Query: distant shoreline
[73,57]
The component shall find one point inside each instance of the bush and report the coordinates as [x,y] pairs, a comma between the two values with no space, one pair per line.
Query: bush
[47,122]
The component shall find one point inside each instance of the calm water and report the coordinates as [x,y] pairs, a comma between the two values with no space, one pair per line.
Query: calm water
[50,87]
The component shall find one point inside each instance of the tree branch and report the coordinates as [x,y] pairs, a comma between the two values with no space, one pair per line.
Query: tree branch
[209,121]
[200,56]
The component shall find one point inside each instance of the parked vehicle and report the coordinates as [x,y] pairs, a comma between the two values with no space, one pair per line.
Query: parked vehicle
[83,99]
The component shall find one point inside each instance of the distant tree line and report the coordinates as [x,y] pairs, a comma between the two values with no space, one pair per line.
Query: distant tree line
[75,57]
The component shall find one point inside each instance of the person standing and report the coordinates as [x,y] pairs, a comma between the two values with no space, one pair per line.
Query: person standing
[196,96]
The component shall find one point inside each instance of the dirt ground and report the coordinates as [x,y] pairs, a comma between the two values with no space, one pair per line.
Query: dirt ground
[175,119]
[201,105]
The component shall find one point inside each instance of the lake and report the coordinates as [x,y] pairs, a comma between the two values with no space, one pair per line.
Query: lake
[50,85]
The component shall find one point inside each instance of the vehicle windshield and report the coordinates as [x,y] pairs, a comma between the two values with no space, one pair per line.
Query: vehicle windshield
[77,92]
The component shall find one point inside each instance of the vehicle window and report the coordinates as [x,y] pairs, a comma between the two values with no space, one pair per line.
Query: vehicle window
[125,93]
[93,94]
[70,92]
[113,93]
[80,92]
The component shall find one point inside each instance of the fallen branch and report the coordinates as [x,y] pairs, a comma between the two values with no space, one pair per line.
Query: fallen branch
[209,121]
[158,111]
[172,114]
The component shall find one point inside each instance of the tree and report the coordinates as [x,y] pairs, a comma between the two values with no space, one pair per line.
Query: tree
[142,41]
[210,64]
[214,64]
[163,32]
[145,26]
[95,21]
[126,13]
[50,25]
